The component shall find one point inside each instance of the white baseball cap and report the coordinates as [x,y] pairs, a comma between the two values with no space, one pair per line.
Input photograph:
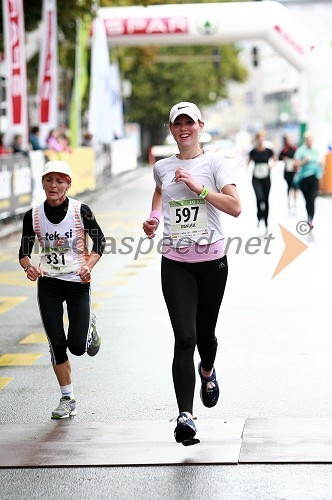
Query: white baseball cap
[185,108]
[57,166]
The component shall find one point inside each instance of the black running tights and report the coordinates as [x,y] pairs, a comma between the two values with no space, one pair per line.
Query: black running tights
[52,293]
[309,188]
[262,190]
[193,294]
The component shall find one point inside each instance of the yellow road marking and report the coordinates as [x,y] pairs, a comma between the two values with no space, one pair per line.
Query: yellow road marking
[103,295]
[6,256]
[4,381]
[7,303]
[17,278]
[16,359]
[35,338]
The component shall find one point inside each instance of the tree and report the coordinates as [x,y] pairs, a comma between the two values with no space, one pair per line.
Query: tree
[190,76]
[162,76]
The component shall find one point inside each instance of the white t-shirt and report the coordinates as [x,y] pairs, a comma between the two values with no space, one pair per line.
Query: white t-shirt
[188,218]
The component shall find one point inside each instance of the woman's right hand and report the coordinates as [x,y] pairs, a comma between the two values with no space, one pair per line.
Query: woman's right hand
[33,273]
[150,227]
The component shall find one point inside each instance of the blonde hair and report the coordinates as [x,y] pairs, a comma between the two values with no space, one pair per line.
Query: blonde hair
[260,132]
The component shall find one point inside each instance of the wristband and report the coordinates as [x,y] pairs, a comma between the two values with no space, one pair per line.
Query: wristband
[26,269]
[204,192]
[155,214]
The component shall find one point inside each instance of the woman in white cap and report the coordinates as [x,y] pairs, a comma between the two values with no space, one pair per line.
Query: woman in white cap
[192,188]
[63,273]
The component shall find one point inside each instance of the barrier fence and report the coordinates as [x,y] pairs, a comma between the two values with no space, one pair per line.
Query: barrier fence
[20,174]
[15,185]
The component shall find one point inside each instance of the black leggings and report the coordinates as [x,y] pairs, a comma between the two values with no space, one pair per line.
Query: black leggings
[262,190]
[193,294]
[289,176]
[309,188]
[52,293]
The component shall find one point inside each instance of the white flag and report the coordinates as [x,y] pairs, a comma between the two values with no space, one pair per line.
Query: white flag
[116,102]
[100,104]
[16,76]
[48,71]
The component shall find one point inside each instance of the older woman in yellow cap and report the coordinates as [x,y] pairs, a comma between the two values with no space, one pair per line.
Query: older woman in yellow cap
[63,274]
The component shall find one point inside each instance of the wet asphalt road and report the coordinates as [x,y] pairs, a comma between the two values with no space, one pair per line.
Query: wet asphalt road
[274,356]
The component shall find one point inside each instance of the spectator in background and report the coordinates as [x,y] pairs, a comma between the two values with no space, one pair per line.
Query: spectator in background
[58,141]
[53,140]
[17,145]
[34,139]
[64,143]
[87,140]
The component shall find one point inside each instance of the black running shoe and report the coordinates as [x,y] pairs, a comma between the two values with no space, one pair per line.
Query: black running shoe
[209,389]
[185,428]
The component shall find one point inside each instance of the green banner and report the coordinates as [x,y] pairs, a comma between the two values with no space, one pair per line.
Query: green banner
[80,80]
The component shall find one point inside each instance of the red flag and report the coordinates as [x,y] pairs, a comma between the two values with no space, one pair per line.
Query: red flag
[48,71]
[16,76]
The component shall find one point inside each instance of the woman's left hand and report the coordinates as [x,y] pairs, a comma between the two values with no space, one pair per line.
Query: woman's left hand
[85,274]
[182,175]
